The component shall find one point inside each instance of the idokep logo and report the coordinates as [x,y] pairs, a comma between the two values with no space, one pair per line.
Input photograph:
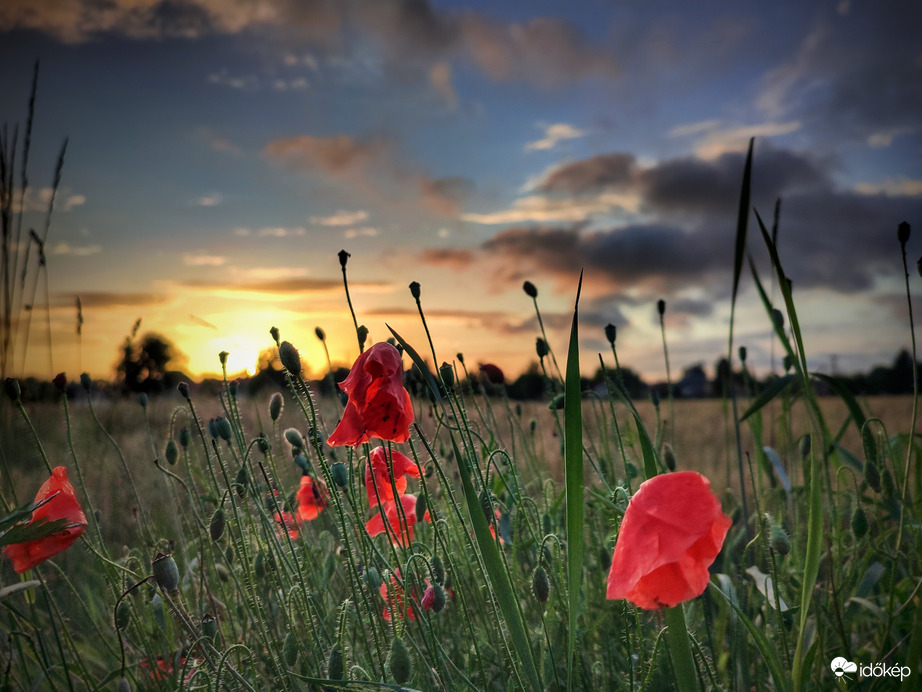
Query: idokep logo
[843,668]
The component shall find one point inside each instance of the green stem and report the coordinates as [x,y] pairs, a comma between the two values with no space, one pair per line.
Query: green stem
[683,663]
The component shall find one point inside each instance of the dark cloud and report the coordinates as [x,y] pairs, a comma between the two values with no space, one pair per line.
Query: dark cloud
[283,286]
[454,258]
[591,175]
[445,195]
[101,300]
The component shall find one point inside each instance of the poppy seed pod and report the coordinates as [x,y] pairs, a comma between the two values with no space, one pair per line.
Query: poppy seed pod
[414,289]
[290,358]
[398,662]
[530,289]
[540,585]
[222,356]
[340,474]
[294,438]
[13,390]
[448,375]
[166,573]
[343,258]
[661,307]
[541,347]
[172,452]
[902,232]
[610,333]
[274,333]
[223,428]
[322,335]
[182,388]
[216,528]
[275,406]
[362,333]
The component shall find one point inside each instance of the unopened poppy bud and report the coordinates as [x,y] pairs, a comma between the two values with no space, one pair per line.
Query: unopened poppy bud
[661,307]
[222,356]
[373,578]
[669,456]
[888,484]
[460,356]
[343,258]
[275,406]
[486,505]
[86,381]
[558,402]
[223,428]
[420,508]
[274,333]
[547,524]
[123,685]
[630,470]
[294,438]
[414,289]
[288,354]
[301,462]
[859,522]
[290,648]
[530,289]
[60,382]
[142,399]
[902,232]
[434,598]
[540,585]
[221,569]
[438,569]
[541,347]
[13,391]
[209,625]
[448,375]
[778,318]
[518,410]
[398,663]
[532,426]
[216,528]
[166,573]
[241,481]
[172,452]
[743,354]
[872,476]
[213,429]
[340,474]
[123,615]
[262,444]
[779,540]
[182,387]
[185,437]
[610,333]
[362,333]
[335,661]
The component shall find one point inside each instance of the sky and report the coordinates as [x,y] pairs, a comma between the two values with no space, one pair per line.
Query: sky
[222,152]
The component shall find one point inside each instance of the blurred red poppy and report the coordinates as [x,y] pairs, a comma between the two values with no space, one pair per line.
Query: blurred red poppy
[394,600]
[377,475]
[672,531]
[286,522]
[63,505]
[312,498]
[400,533]
[379,405]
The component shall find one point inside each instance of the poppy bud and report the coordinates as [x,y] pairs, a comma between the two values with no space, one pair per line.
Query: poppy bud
[223,428]
[362,333]
[541,347]
[294,438]
[420,508]
[779,540]
[182,387]
[547,524]
[872,475]
[222,356]
[262,444]
[778,318]
[438,569]
[13,391]
[669,456]
[212,429]
[888,485]
[654,398]
[209,625]
[288,354]
[301,462]
[532,425]
[172,452]
[610,333]
[340,474]
[540,585]
[335,661]
[486,505]
[86,381]
[290,648]
[343,258]
[60,382]
[530,289]
[373,578]
[123,615]
[274,333]
[123,685]
[433,598]
[902,232]
[448,375]
[241,481]
[414,289]
[221,569]
[460,356]
[185,437]
[166,573]
[742,354]
[142,399]
[398,663]
[234,388]
[216,529]
[661,307]
[275,406]
[859,522]
[631,470]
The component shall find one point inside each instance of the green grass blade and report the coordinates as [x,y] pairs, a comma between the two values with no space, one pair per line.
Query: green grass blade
[420,363]
[739,250]
[573,460]
[811,565]
[779,329]
[838,386]
[767,395]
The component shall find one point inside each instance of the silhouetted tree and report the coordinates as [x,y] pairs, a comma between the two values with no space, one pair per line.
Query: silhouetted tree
[143,366]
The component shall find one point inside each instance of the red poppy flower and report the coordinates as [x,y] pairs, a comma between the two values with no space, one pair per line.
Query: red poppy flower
[672,531]
[286,522]
[379,405]
[312,498]
[394,599]
[403,533]
[63,505]
[377,474]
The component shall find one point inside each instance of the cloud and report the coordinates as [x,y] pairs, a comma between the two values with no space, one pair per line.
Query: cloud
[899,187]
[884,138]
[341,218]
[440,80]
[75,250]
[191,260]
[453,258]
[363,232]
[444,195]
[283,285]
[341,155]
[102,300]
[602,171]
[211,200]
[241,82]
[717,139]
[553,135]
[37,200]
[542,209]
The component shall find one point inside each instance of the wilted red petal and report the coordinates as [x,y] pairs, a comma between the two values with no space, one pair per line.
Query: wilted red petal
[379,405]
[376,474]
[312,498]
[672,531]
[63,505]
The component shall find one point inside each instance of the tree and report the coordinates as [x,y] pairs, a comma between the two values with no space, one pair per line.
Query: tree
[144,364]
